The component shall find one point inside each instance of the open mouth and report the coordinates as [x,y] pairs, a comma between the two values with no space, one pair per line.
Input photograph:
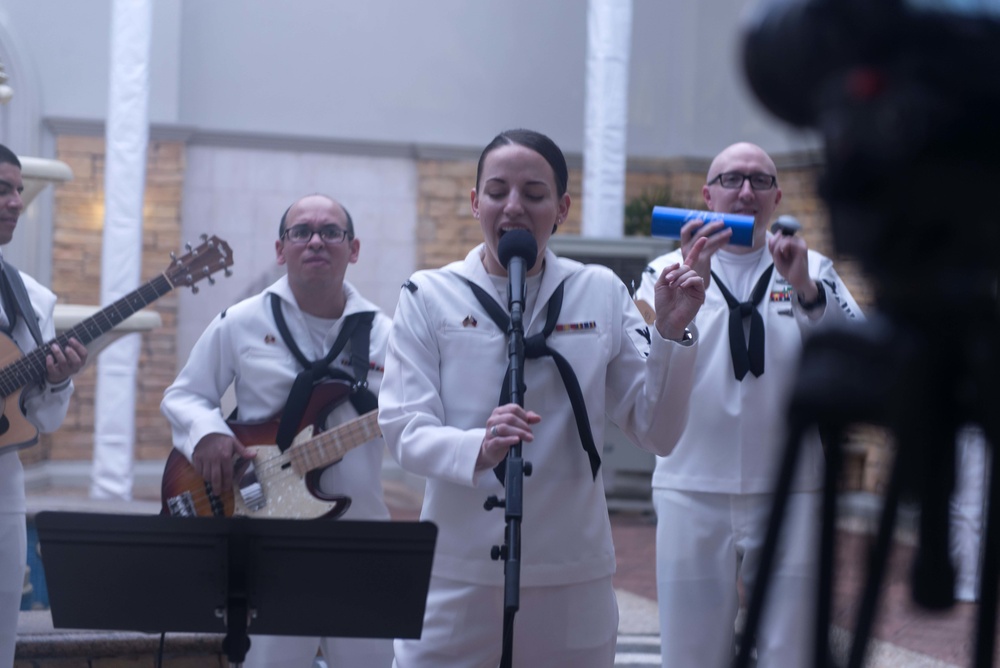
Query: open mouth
[505,230]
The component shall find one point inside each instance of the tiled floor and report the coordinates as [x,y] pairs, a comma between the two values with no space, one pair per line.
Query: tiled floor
[946,636]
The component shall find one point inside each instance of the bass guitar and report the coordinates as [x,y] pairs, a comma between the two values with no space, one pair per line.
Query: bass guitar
[274,484]
[19,371]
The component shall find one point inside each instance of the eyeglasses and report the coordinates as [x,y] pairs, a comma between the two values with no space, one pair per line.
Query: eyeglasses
[734,180]
[303,234]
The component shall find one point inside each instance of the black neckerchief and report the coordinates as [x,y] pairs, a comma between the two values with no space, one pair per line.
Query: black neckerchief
[356,329]
[534,348]
[747,356]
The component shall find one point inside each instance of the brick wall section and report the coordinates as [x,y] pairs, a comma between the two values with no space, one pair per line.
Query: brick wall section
[76,253]
[446,229]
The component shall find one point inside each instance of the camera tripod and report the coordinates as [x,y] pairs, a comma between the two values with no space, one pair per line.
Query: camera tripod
[923,380]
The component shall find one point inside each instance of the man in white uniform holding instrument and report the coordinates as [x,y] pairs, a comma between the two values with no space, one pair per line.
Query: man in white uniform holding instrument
[713,492]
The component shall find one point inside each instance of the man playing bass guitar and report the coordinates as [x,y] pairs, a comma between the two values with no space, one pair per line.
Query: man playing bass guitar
[274,347]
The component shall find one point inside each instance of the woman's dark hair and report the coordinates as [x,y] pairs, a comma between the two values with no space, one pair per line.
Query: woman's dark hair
[538,143]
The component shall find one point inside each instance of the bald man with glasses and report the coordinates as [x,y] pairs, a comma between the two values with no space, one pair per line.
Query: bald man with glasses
[713,492]
[310,326]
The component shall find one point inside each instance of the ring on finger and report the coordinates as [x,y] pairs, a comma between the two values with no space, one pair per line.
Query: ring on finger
[493,430]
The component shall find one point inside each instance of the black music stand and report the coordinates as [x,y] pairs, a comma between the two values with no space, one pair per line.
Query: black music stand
[220,575]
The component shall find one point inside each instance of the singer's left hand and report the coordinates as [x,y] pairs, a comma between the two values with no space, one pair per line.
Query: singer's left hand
[680,292]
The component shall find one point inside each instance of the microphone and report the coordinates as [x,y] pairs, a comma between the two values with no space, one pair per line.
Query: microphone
[517,252]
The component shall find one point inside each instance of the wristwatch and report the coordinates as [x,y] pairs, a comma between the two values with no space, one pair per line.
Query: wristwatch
[686,338]
[816,303]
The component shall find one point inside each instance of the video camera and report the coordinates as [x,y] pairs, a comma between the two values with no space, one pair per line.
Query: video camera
[907,101]
[906,98]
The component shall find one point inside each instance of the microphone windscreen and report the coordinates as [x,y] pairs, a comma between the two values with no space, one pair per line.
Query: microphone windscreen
[517,243]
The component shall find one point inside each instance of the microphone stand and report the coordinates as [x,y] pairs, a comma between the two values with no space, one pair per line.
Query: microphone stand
[516,469]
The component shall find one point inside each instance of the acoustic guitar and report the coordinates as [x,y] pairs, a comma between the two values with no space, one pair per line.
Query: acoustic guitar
[19,371]
[274,484]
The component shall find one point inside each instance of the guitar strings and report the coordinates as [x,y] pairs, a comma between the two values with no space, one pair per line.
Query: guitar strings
[31,367]
[272,468]
[303,453]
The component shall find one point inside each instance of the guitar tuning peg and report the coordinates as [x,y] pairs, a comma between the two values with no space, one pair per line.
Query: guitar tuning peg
[194,289]
[173,256]
[204,237]
[211,281]
[188,247]
[228,272]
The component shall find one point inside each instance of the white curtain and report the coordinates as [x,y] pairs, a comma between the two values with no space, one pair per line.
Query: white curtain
[609,35]
[121,254]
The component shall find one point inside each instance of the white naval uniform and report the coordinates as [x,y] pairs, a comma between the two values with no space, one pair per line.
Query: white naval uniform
[45,407]
[243,346]
[713,492]
[444,371]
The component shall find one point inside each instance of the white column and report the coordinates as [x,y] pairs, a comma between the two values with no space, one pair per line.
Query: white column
[609,36]
[121,254]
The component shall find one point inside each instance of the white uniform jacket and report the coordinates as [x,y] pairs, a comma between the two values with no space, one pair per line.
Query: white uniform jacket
[44,406]
[735,432]
[242,345]
[444,371]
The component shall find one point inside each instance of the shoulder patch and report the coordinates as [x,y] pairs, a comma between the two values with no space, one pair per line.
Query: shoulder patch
[410,285]
[223,314]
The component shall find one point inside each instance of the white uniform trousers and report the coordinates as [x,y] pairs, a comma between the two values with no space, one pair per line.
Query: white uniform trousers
[705,543]
[967,511]
[555,627]
[300,652]
[13,558]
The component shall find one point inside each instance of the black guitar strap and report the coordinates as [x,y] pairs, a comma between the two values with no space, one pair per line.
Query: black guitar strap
[16,301]
[357,330]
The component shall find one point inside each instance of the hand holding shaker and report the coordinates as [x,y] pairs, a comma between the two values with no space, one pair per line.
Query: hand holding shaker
[667,222]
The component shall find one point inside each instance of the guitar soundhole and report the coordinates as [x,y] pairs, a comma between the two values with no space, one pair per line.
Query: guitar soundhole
[286,465]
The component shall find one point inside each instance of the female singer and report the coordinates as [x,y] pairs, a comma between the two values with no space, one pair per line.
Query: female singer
[438,410]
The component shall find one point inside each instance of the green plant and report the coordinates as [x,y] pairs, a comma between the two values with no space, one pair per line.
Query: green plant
[638,210]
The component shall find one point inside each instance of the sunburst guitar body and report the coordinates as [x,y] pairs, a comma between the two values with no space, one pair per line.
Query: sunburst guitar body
[274,484]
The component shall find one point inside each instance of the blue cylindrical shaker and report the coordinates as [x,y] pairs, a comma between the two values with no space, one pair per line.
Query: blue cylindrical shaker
[668,221]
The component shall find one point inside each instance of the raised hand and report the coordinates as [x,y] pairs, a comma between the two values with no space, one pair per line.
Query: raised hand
[791,260]
[717,236]
[680,292]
